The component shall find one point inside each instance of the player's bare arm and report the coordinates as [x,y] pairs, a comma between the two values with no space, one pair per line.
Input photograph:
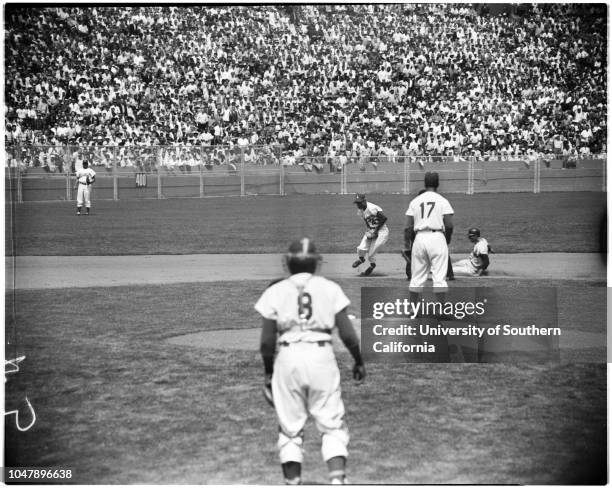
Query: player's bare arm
[350,340]
[409,233]
[448,227]
[267,349]
[485,262]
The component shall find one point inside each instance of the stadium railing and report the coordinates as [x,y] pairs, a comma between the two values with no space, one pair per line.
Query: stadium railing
[47,173]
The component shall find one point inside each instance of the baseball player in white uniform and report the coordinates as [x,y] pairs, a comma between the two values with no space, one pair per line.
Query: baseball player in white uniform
[376,235]
[85,178]
[478,261]
[428,231]
[299,314]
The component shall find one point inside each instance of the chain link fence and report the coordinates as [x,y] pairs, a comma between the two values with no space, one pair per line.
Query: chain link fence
[47,173]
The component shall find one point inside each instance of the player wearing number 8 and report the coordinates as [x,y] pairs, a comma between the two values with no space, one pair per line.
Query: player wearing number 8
[299,314]
[428,231]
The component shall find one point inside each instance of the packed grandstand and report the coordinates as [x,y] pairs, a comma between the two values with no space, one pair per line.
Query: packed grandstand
[343,81]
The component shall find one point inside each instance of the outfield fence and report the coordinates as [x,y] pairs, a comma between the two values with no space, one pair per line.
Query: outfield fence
[47,173]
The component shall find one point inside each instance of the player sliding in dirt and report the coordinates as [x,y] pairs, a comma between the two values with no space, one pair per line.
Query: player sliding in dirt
[477,262]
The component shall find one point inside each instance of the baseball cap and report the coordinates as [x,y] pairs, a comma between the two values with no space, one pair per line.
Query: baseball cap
[431,179]
[303,248]
[359,198]
[474,231]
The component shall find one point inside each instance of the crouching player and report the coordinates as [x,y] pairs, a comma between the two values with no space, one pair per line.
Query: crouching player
[478,261]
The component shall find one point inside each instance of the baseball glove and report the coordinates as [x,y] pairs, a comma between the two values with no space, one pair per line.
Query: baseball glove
[267,391]
[372,234]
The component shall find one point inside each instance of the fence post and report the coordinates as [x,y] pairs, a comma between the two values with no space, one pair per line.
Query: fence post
[242,189]
[470,176]
[282,180]
[115,176]
[540,175]
[159,175]
[536,174]
[484,174]
[201,179]
[68,186]
[19,185]
[17,160]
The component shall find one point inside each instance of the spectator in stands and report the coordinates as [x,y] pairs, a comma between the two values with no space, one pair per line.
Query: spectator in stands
[464,82]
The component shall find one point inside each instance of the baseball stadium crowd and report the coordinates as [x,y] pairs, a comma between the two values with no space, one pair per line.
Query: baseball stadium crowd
[341,81]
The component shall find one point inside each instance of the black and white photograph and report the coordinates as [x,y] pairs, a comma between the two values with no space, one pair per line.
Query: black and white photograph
[305,243]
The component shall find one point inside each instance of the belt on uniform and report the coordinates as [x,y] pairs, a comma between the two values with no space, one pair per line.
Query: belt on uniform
[319,343]
[429,230]
[86,184]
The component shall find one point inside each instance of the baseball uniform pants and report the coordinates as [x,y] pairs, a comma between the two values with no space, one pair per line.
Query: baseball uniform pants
[83,195]
[306,380]
[371,246]
[464,267]
[429,253]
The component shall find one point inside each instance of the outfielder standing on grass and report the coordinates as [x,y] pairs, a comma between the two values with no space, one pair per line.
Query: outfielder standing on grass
[428,231]
[376,235]
[304,378]
[85,178]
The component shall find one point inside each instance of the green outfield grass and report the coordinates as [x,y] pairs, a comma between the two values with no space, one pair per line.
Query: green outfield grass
[118,404]
[513,222]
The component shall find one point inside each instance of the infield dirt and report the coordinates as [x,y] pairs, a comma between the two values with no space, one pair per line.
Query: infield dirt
[33,272]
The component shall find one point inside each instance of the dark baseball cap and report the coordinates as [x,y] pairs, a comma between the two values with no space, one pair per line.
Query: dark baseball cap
[359,198]
[432,179]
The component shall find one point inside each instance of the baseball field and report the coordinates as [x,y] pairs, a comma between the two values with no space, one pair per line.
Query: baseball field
[141,344]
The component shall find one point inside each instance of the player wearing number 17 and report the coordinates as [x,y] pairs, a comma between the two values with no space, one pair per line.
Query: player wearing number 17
[303,379]
[428,231]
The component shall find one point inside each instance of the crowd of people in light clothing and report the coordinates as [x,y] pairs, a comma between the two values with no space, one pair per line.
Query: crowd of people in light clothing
[346,82]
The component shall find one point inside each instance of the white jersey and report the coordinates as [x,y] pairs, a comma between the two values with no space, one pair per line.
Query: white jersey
[82,175]
[309,319]
[480,248]
[428,210]
[370,215]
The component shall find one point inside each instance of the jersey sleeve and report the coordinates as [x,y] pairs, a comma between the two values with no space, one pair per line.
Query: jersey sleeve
[410,211]
[447,209]
[341,301]
[481,247]
[375,209]
[265,305]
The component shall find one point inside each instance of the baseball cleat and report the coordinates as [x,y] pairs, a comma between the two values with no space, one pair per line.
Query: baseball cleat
[339,481]
[368,271]
[357,263]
